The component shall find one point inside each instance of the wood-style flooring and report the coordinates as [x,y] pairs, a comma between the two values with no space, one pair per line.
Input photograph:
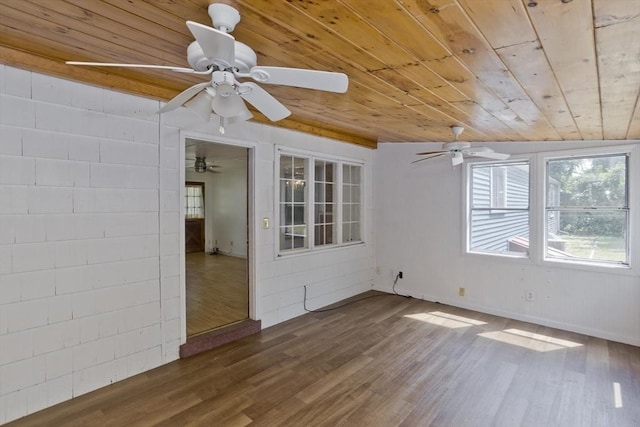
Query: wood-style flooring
[217,291]
[383,361]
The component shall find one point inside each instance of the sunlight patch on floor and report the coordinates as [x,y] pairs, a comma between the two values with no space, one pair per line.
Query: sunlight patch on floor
[529,340]
[445,319]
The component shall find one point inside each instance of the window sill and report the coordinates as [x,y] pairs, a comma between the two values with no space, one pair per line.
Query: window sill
[596,267]
[318,250]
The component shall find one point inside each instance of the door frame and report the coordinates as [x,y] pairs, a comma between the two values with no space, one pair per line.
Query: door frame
[251,229]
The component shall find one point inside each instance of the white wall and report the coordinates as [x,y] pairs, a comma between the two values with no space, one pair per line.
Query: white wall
[90,231]
[230,208]
[418,222]
[88,240]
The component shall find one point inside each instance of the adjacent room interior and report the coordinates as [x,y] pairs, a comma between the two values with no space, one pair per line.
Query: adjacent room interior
[320,213]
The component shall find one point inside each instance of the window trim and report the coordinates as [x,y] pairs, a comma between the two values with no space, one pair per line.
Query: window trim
[468,205]
[311,158]
[633,218]
[537,211]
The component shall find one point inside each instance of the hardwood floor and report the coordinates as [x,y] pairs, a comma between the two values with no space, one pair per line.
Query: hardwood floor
[384,361]
[217,291]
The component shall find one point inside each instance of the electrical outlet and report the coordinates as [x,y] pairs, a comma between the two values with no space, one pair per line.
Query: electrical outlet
[461,291]
[530,296]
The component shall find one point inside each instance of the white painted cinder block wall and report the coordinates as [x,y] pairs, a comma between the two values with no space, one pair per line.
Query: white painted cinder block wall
[418,223]
[90,247]
[88,240]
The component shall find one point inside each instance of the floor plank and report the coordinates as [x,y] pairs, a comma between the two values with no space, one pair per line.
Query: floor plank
[384,361]
[217,291]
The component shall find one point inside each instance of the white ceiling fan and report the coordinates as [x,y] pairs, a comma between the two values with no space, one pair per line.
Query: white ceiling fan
[201,166]
[458,149]
[217,53]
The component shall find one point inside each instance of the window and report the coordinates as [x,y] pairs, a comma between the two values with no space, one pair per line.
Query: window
[351,203]
[309,215]
[576,209]
[325,203]
[587,209]
[499,213]
[293,203]
[194,200]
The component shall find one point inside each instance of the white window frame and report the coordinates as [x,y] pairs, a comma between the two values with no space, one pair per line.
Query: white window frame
[311,158]
[468,204]
[633,176]
[537,211]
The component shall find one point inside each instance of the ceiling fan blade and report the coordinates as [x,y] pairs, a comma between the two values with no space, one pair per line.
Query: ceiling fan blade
[433,155]
[183,97]
[263,101]
[114,64]
[489,154]
[457,158]
[200,105]
[217,45]
[426,153]
[310,79]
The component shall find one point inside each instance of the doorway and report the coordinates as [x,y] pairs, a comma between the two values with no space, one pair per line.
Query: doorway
[216,235]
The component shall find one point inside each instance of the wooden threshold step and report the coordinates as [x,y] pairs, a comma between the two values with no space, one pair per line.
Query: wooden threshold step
[219,337]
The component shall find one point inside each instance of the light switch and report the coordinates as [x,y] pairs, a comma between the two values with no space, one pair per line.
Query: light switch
[265,223]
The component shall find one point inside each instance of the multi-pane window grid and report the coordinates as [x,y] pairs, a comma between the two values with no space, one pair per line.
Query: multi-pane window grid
[325,203]
[293,203]
[351,203]
[334,201]
[587,209]
[499,214]
[194,201]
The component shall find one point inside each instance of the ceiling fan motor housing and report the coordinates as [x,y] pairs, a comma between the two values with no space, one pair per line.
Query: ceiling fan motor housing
[224,17]
[456,146]
[196,57]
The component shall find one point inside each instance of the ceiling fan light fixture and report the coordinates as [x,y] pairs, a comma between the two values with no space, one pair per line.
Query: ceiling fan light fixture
[200,165]
[200,105]
[228,106]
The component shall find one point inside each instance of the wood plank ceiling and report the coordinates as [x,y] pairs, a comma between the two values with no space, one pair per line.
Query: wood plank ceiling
[507,70]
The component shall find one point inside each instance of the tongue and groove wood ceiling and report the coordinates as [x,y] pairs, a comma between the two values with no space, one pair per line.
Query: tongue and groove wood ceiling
[506,70]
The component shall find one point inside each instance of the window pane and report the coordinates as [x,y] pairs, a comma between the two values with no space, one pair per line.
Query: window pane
[319,170]
[346,232]
[594,235]
[329,192]
[319,214]
[286,167]
[498,186]
[355,194]
[299,168]
[194,201]
[319,189]
[346,193]
[506,232]
[587,182]
[330,167]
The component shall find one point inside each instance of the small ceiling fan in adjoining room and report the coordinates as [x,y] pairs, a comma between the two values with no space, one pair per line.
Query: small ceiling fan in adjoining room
[216,52]
[200,165]
[458,149]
